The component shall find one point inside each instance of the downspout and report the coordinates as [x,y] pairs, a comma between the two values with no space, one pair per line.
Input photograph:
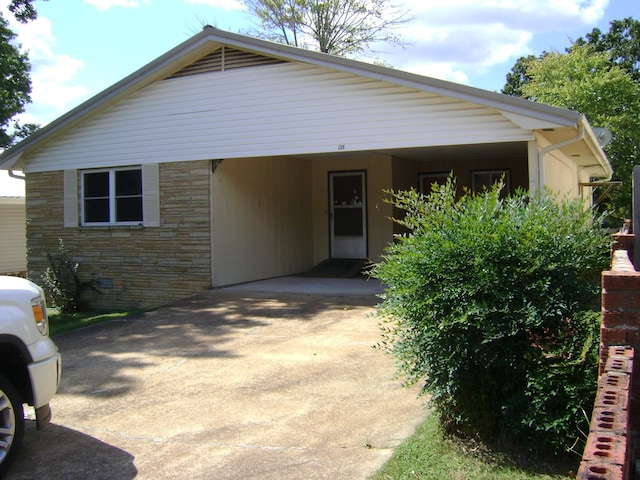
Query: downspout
[556,146]
[13,174]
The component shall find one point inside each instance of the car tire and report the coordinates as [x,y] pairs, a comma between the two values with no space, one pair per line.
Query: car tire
[11,423]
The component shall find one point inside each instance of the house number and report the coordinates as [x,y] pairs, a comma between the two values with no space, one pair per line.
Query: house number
[341,146]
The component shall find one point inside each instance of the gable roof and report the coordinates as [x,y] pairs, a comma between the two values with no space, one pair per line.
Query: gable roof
[217,49]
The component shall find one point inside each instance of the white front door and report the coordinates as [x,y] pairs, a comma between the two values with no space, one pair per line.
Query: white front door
[348,214]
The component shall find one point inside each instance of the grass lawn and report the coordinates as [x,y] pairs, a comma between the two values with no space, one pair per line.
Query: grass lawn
[66,322]
[426,455]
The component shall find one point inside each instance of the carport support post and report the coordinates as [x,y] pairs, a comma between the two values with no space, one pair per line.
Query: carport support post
[636,215]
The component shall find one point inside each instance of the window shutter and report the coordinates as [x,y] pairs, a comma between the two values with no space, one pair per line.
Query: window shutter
[151,195]
[70,198]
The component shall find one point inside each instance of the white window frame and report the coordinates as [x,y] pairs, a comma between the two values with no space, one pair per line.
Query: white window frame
[112,196]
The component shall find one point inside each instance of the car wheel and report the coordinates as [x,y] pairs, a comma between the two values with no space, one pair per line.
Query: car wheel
[11,423]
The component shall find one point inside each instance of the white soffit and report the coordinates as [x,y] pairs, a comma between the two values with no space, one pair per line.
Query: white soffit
[529,123]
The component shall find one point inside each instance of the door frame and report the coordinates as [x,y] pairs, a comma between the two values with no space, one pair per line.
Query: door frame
[365,223]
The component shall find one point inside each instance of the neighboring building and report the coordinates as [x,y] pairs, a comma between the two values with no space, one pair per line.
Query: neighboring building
[231,159]
[13,236]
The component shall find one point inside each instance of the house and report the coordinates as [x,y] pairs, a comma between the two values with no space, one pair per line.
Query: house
[231,159]
[13,255]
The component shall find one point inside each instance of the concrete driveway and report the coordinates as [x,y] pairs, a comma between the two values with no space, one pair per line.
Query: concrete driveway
[272,380]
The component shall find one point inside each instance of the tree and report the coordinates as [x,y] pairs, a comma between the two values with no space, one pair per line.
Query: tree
[519,76]
[338,27]
[621,43]
[588,82]
[15,82]
[23,10]
[617,51]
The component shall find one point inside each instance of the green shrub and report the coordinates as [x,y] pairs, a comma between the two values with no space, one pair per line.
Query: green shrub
[493,303]
[62,282]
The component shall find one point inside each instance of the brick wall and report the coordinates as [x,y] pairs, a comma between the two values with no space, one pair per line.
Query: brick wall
[612,445]
[139,266]
[608,450]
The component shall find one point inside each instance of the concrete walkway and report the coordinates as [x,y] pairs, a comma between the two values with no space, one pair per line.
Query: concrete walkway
[247,382]
[323,286]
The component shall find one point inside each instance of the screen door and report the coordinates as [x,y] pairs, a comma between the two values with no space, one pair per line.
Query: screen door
[348,214]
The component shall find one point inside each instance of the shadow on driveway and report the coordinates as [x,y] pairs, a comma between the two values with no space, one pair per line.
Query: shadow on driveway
[58,452]
[230,384]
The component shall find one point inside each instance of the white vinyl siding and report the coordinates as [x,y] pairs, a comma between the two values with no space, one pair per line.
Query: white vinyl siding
[284,109]
[262,225]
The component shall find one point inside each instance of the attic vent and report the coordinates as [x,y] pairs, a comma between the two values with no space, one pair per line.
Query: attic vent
[225,59]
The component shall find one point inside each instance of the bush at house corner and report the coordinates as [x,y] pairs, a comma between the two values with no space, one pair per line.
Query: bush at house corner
[493,303]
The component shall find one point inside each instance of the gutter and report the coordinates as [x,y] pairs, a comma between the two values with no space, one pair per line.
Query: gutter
[13,174]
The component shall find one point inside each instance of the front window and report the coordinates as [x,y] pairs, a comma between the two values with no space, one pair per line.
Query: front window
[482,180]
[112,197]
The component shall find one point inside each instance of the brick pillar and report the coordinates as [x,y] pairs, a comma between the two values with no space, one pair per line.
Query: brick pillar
[620,305]
[624,241]
[621,325]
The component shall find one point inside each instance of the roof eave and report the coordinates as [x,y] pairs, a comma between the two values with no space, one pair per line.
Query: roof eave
[598,152]
[162,66]
[136,80]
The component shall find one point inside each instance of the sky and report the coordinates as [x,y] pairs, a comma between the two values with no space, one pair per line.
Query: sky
[77,48]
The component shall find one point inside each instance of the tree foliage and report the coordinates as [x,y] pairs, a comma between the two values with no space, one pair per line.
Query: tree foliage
[15,81]
[599,75]
[621,43]
[492,304]
[339,27]
[518,75]
[588,82]
[23,10]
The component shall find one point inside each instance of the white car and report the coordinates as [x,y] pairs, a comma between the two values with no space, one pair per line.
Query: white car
[30,363]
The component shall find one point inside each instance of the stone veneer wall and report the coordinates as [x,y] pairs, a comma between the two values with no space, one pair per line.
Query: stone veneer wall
[139,267]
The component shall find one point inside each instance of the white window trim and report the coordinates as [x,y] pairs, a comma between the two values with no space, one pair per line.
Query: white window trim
[112,198]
